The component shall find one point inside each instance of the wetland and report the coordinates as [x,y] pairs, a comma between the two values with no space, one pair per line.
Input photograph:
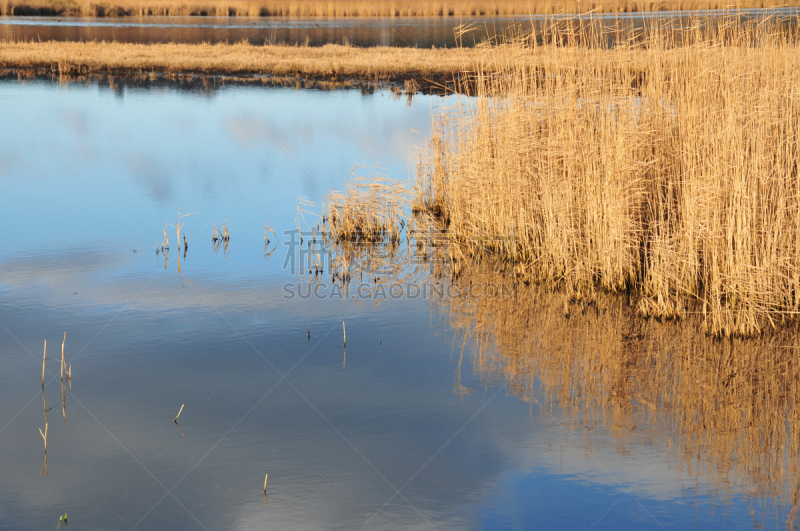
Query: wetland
[560,293]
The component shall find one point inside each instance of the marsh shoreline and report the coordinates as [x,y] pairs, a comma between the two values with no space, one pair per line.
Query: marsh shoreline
[403,70]
[119,79]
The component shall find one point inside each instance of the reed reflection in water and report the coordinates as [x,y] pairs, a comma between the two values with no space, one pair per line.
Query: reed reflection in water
[723,411]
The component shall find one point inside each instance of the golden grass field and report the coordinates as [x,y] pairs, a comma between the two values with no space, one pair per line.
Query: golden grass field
[358,8]
[75,58]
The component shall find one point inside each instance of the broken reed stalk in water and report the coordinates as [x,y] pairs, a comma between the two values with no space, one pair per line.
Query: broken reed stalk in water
[179,226]
[165,243]
[44,465]
[44,361]
[63,362]
[44,435]
[179,413]
[265,482]
[222,235]
[266,238]
[64,402]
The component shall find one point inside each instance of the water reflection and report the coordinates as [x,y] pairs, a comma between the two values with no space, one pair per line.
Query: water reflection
[726,409]
[415,32]
[441,420]
[420,32]
[175,420]
[724,412]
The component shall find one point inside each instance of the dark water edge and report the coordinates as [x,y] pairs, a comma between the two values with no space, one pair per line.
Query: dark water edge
[400,84]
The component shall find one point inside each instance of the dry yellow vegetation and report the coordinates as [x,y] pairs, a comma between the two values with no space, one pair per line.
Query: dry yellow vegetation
[666,169]
[581,190]
[358,8]
[76,58]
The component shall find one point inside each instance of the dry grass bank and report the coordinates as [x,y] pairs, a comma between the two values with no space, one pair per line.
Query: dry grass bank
[326,62]
[358,8]
[667,170]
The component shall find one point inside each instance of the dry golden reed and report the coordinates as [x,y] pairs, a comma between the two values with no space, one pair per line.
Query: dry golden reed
[665,168]
[370,210]
[330,61]
[359,8]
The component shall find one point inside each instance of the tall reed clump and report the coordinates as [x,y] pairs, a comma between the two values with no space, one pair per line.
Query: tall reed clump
[666,168]
[371,210]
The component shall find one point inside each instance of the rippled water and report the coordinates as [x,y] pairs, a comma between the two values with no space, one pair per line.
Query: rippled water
[404,430]
[421,32]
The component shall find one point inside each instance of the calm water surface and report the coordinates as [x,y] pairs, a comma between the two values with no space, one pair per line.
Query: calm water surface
[422,32]
[397,435]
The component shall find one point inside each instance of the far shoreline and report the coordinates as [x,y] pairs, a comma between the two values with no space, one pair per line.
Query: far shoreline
[369,8]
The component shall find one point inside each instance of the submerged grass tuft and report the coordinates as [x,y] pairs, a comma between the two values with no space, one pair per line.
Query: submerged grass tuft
[370,210]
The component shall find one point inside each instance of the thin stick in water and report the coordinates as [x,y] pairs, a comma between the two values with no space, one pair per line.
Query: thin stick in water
[265,482]
[64,402]
[44,360]
[179,412]
[63,362]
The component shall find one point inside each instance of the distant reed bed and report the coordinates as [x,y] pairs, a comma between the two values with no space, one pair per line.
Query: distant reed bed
[357,8]
[665,168]
[331,61]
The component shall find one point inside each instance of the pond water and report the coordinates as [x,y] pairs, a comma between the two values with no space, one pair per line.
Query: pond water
[422,32]
[407,428]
